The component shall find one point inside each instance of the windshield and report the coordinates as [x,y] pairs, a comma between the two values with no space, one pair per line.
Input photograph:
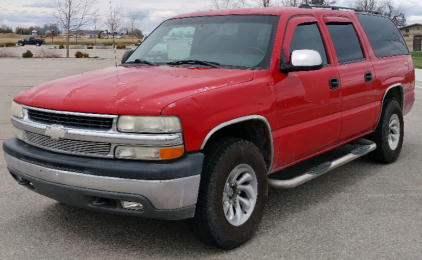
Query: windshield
[241,41]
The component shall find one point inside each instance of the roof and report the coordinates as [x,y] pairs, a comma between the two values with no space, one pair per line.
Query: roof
[407,26]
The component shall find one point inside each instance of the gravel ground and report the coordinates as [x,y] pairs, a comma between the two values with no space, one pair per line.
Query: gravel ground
[362,210]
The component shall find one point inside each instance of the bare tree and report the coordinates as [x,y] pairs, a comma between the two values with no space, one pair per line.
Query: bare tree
[113,20]
[369,5]
[388,8]
[395,13]
[96,22]
[230,4]
[72,15]
[133,21]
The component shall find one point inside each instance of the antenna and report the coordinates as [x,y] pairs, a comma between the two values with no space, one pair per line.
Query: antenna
[114,44]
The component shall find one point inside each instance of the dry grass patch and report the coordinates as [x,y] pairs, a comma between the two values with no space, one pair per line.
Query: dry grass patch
[7,53]
[48,53]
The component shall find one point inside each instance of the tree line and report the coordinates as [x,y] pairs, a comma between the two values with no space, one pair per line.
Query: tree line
[74,15]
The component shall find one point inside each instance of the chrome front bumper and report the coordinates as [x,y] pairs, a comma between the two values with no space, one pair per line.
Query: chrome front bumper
[166,190]
[168,194]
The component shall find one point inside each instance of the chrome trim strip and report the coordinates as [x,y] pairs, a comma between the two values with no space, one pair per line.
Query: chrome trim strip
[169,194]
[385,94]
[238,120]
[70,113]
[105,137]
[110,155]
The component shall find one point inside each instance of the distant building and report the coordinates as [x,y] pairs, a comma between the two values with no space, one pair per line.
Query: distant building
[89,33]
[34,33]
[412,35]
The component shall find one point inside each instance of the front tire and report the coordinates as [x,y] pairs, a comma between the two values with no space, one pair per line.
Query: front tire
[389,133]
[232,193]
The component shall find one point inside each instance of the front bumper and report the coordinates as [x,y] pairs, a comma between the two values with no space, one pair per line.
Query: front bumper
[166,190]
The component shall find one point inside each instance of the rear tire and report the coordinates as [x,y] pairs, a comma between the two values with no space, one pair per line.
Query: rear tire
[232,194]
[389,133]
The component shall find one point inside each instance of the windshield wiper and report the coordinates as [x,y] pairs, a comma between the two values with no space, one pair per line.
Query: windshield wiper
[200,62]
[143,62]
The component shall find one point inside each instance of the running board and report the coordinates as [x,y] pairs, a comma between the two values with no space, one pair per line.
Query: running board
[365,147]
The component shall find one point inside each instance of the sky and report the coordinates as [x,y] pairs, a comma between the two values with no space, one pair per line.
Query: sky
[27,13]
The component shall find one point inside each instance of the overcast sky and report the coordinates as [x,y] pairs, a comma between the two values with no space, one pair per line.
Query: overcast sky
[36,12]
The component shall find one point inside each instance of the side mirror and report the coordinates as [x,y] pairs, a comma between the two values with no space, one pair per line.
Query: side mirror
[302,60]
[126,55]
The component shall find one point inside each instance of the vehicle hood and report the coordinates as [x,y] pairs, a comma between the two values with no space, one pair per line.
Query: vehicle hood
[129,90]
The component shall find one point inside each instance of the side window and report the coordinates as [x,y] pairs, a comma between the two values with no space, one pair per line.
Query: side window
[308,37]
[346,42]
[383,35]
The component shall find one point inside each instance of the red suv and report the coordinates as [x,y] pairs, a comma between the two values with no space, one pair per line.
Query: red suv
[197,131]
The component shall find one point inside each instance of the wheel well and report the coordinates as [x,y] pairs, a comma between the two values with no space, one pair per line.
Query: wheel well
[396,93]
[254,131]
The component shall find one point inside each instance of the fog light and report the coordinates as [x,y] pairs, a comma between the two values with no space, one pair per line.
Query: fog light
[132,205]
[20,134]
[148,153]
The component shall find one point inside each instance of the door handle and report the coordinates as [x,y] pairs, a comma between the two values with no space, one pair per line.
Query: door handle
[368,77]
[334,83]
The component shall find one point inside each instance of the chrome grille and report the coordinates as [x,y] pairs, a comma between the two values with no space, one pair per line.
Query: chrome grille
[68,146]
[86,122]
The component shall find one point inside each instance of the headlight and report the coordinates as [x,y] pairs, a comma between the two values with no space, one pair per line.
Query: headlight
[17,110]
[148,153]
[149,124]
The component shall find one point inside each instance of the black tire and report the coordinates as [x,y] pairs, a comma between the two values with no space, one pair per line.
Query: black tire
[210,224]
[37,44]
[21,44]
[384,152]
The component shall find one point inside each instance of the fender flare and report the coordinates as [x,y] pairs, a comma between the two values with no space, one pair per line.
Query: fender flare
[397,85]
[243,119]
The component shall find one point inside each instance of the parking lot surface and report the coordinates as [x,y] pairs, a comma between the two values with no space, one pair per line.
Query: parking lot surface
[362,210]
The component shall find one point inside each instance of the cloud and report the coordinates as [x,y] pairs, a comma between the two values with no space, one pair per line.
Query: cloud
[414,19]
[37,5]
[159,16]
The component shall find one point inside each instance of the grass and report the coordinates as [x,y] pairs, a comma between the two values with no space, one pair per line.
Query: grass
[12,38]
[417,59]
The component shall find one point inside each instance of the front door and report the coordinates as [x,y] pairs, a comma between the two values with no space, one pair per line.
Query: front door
[308,107]
[417,43]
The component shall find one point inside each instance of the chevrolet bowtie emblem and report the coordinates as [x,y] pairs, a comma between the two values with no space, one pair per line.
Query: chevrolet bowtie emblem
[56,132]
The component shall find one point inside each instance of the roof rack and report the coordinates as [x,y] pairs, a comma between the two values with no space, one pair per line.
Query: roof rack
[337,8]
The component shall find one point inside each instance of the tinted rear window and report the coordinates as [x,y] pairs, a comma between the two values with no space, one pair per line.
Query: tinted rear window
[383,35]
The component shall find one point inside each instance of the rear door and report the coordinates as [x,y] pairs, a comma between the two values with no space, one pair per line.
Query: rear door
[357,77]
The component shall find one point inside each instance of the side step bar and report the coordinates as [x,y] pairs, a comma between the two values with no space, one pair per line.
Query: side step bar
[365,147]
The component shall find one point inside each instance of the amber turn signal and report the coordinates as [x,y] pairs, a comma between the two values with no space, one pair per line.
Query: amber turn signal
[171,153]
